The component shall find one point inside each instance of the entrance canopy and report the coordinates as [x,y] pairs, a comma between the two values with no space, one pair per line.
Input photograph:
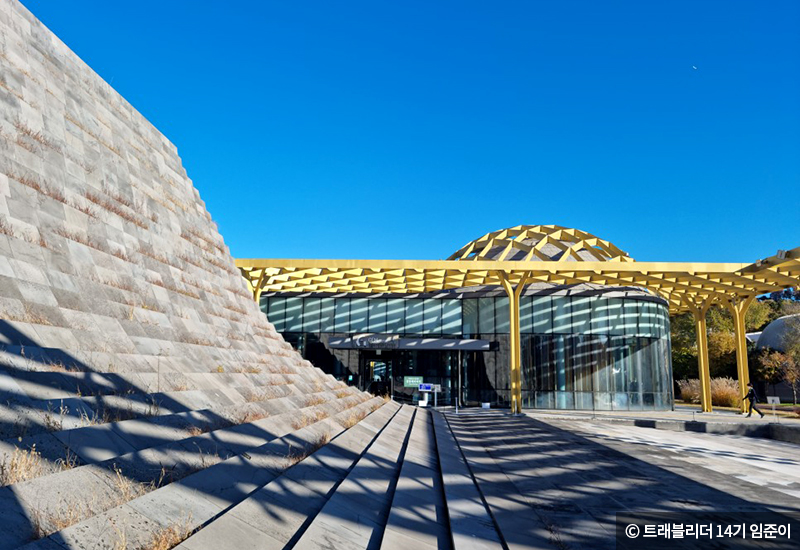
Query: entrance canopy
[511,258]
[682,284]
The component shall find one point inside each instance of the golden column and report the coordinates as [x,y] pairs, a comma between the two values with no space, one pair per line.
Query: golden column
[515,356]
[699,311]
[738,308]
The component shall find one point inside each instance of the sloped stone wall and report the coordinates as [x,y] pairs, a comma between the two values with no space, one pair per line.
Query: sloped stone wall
[113,276]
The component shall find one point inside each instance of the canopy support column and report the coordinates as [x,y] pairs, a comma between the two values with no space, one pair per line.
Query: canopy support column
[515,342]
[738,308]
[699,311]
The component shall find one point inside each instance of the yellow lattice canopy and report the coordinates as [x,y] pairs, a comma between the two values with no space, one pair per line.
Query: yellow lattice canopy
[537,253]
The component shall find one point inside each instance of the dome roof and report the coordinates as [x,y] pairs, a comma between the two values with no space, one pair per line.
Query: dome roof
[549,243]
[773,336]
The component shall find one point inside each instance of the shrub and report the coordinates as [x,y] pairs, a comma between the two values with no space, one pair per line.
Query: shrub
[724,391]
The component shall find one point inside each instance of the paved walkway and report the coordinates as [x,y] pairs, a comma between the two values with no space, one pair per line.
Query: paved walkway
[684,413]
[558,483]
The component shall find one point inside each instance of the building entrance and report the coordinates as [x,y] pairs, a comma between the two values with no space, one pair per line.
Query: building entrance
[375,371]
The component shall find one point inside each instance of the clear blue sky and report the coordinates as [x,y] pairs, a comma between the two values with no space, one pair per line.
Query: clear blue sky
[405,129]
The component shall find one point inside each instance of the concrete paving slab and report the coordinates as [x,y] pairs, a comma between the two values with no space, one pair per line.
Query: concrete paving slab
[231,533]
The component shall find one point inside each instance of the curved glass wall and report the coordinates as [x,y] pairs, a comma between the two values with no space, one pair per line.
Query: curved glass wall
[578,351]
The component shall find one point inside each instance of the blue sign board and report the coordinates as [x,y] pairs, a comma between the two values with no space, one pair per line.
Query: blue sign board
[426,387]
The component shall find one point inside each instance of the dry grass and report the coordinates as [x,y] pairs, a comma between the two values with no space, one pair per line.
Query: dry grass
[21,465]
[250,415]
[342,393]
[195,430]
[6,229]
[352,419]
[252,395]
[128,489]
[196,340]
[40,187]
[293,458]
[308,418]
[69,512]
[91,243]
[724,391]
[36,136]
[170,536]
[312,400]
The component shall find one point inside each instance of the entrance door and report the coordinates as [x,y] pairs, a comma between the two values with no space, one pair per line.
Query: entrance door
[375,371]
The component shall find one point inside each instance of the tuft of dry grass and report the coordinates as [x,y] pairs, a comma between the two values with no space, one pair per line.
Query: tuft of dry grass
[24,464]
[250,415]
[341,393]
[293,458]
[352,419]
[128,489]
[312,400]
[69,512]
[170,536]
[21,465]
[308,418]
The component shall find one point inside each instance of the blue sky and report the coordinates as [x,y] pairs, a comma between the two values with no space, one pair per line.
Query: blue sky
[405,129]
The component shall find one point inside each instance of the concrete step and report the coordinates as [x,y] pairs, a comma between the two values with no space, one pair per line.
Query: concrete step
[203,495]
[272,516]
[471,525]
[418,516]
[355,515]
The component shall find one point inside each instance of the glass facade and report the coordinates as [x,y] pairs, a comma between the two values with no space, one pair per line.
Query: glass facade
[578,351]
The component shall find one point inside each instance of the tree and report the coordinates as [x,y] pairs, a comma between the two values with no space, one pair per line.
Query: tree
[769,366]
[791,375]
[791,349]
[722,340]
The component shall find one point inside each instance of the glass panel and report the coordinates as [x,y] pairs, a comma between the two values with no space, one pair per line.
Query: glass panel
[599,316]
[662,321]
[602,401]
[432,316]
[395,313]
[377,315]
[525,314]
[358,315]
[470,308]
[451,316]
[542,314]
[545,400]
[311,315]
[326,315]
[562,320]
[583,400]
[630,317]
[615,320]
[563,378]
[502,320]
[341,314]
[414,317]
[486,317]
[648,319]
[581,314]
[294,314]
[277,313]
[644,356]
[600,368]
